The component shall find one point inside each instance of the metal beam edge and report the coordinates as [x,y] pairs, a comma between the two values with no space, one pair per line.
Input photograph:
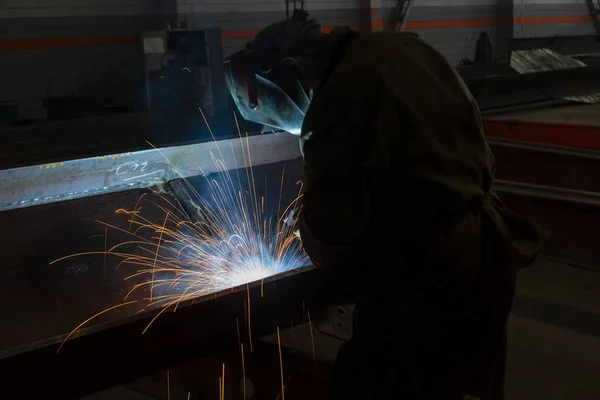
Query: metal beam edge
[72,179]
[101,358]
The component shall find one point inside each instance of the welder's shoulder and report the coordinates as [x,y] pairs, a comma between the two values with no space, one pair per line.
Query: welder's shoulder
[393,57]
[388,46]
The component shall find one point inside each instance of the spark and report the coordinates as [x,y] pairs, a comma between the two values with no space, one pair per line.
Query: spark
[223,382]
[312,340]
[243,369]
[280,365]
[168,386]
[226,238]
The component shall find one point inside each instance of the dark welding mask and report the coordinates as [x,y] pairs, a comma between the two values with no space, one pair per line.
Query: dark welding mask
[265,88]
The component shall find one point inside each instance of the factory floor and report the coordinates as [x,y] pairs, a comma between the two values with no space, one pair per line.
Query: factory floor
[554,351]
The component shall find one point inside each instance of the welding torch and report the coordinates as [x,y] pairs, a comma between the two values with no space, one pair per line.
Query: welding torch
[292,221]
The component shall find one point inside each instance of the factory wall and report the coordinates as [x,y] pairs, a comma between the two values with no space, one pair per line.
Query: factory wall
[91,47]
[543,18]
[65,48]
[452,26]
[240,20]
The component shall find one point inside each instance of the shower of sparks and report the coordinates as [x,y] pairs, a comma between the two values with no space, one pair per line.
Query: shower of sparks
[229,240]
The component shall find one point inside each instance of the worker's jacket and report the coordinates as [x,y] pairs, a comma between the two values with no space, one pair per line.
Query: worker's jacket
[394,154]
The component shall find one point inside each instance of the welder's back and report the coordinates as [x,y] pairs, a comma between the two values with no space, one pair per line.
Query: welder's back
[394,126]
[398,200]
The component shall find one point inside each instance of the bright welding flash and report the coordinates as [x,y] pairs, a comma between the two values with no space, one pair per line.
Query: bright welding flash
[250,275]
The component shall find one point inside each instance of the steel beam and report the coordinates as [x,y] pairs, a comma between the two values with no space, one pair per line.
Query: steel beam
[108,355]
[48,183]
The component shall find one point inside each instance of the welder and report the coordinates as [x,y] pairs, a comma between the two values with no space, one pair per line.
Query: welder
[397,204]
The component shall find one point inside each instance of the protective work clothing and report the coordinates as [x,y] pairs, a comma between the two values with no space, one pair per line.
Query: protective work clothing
[398,204]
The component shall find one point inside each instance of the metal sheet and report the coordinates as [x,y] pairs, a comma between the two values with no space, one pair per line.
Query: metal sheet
[41,184]
[537,60]
[526,61]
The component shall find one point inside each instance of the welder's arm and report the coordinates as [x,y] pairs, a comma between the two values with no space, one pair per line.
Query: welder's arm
[335,216]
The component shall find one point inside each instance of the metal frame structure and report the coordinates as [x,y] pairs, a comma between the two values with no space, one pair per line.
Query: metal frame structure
[295,4]
[594,6]
[401,13]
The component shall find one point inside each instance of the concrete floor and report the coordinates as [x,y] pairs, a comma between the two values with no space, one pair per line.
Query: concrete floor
[554,351]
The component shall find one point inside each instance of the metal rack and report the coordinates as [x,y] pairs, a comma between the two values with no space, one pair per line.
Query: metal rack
[594,6]
[295,5]
[401,13]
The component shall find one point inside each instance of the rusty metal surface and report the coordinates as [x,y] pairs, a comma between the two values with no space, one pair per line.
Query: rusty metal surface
[42,184]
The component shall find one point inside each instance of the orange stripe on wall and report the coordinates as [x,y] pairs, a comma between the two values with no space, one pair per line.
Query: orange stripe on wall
[378,23]
[578,136]
[78,41]
[465,23]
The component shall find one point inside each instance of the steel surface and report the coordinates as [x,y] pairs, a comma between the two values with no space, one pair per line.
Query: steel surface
[42,300]
[277,183]
[109,355]
[42,184]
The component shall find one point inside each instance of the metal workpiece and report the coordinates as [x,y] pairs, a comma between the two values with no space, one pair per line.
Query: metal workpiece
[55,297]
[276,184]
[71,179]
[107,355]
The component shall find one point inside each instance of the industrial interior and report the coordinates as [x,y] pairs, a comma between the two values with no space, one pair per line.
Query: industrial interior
[120,146]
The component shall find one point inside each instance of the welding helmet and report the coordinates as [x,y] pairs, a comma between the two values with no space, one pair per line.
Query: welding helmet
[266,88]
